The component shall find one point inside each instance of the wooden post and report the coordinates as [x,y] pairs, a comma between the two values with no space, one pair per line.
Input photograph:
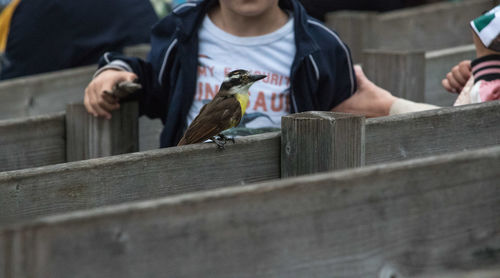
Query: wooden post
[400,72]
[314,142]
[90,137]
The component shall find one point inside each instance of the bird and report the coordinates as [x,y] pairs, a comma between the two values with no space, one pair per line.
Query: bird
[224,111]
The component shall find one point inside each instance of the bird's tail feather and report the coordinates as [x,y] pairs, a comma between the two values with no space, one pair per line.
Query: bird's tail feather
[183,141]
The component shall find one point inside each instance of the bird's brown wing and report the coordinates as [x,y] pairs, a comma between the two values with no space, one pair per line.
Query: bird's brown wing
[214,117]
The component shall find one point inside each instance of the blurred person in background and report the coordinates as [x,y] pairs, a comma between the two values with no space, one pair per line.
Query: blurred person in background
[479,80]
[43,36]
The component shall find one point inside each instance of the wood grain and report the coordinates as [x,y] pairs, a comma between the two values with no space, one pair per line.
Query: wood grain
[431,215]
[313,142]
[32,142]
[43,93]
[92,137]
[416,75]
[400,72]
[432,132]
[29,193]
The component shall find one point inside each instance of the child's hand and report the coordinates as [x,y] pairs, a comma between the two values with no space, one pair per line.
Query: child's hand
[457,78]
[97,101]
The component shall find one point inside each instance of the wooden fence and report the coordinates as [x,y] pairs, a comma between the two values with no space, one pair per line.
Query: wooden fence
[47,93]
[32,142]
[415,75]
[70,136]
[29,193]
[428,27]
[405,219]
[196,211]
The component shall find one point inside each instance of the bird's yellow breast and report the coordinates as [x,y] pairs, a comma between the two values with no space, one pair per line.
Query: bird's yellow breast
[243,100]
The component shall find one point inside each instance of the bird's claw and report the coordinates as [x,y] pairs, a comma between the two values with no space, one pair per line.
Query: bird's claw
[225,138]
[222,140]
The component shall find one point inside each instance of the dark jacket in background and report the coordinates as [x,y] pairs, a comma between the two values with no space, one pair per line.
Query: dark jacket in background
[49,35]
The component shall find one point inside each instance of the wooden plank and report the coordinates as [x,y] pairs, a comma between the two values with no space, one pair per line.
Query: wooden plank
[352,27]
[481,273]
[400,72]
[6,251]
[44,93]
[41,140]
[73,186]
[85,184]
[427,27]
[437,64]
[314,142]
[432,132]
[149,133]
[413,217]
[32,142]
[92,137]
[50,93]
[416,75]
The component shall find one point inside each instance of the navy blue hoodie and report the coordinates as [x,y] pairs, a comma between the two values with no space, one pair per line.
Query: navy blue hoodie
[52,35]
[322,75]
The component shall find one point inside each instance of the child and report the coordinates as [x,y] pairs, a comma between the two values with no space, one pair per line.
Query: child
[484,84]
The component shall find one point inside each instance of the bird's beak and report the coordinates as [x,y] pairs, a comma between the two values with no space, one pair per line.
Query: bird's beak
[257,77]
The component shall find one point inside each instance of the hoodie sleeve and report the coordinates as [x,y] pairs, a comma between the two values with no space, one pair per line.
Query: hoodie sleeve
[151,100]
[152,72]
[335,75]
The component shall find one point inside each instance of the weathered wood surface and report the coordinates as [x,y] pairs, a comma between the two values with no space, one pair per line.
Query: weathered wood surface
[90,183]
[391,138]
[92,137]
[24,194]
[49,93]
[32,142]
[480,273]
[411,218]
[415,75]
[427,27]
[432,132]
[44,93]
[313,142]
[437,64]
[400,72]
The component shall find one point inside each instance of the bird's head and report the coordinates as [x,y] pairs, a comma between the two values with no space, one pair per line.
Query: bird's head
[239,81]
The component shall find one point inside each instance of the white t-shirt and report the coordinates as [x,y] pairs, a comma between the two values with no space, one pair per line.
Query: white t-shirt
[271,54]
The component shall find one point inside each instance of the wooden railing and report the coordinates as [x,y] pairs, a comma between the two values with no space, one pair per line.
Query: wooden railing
[30,193]
[415,75]
[404,219]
